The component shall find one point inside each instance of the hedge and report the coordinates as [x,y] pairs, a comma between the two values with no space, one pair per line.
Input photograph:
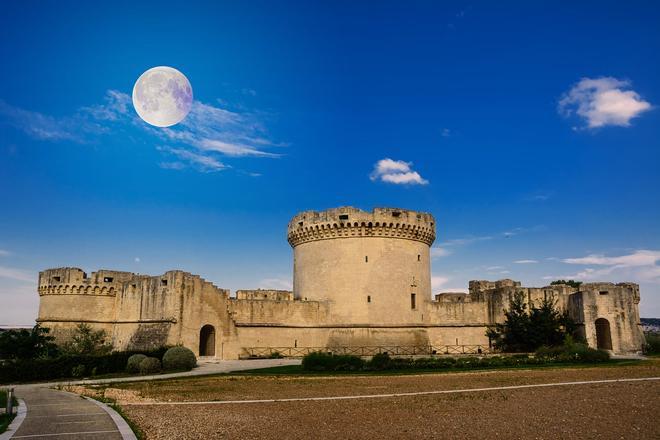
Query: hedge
[577,353]
[33,370]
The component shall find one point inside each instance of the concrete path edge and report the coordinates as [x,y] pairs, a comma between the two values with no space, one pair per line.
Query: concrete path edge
[125,430]
[16,423]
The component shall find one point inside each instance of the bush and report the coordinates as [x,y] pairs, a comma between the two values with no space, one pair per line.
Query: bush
[78,371]
[380,361]
[86,340]
[571,352]
[33,370]
[179,358]
[652,345]
[149,365]
[320,361]
[133,363]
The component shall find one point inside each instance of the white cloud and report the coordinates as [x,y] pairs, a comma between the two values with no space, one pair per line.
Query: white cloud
[641,265]
[190,158]
[637,258]
[207,132]
[278,283]
[137,259]
[437,281]
[396,172]
[437,252]
[4,253]
[17,274]
[526,261]
[603,101]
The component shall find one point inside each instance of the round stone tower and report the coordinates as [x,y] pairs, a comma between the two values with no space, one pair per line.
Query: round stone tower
[374,267]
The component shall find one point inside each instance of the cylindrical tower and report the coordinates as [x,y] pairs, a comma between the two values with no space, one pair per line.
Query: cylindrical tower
[374,267]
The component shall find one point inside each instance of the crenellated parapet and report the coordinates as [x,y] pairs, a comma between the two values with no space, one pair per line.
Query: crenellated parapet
[349,222]
[74,281]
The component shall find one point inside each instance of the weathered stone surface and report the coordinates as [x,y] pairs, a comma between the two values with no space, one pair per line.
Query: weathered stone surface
[360,279]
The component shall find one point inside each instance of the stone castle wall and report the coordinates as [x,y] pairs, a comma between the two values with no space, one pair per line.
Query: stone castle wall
[360,279]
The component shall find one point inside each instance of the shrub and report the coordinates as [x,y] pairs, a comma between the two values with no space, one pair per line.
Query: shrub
[320,361]
[179,358]
[380,361]
[149,365]
[276,355]
[133,363]
[571,351]
[86,340]
[32,370]
[78,371]
[652,345]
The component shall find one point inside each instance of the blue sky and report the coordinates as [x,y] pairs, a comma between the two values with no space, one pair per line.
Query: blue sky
[530,130]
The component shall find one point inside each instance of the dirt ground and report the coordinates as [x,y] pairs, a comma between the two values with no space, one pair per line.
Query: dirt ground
[610,410]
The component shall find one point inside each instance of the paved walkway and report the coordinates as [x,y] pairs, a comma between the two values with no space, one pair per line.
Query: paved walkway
[53,414]
[59,415]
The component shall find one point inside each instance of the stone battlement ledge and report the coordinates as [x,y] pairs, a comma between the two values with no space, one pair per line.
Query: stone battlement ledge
[347,221]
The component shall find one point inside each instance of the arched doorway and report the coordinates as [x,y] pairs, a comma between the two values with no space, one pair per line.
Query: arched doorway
[207,341]
[603,335]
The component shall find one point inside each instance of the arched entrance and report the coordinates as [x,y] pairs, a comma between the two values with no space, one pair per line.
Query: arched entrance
[603,335]
[207,341]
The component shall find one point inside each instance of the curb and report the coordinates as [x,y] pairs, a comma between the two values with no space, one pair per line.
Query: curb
[16,423]
[125,430]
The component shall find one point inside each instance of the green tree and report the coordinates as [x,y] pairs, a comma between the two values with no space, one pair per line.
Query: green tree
[87,341]
[525,331]
[512,335]
[572,283]
[27,344]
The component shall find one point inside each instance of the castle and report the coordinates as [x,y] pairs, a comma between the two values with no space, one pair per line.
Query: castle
[361,283]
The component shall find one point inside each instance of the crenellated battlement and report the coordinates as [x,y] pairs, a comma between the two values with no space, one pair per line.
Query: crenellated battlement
[74,281]
[349,222]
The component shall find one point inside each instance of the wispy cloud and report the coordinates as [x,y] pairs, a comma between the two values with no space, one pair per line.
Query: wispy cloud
[4,253]
[465,240]
[397,172]
[207,133]
[17,274]
[603,101]
[280,283]
[438,252]
[640,265]
[186,158]
[437,281]
[526,261]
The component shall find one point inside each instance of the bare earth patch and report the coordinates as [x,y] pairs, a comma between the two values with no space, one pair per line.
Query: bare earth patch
[612,410]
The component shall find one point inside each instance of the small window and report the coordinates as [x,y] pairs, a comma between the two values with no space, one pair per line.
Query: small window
[107,279]
[368,298]
[413,304]
[343,217]
[396,214]
[300,224]
[603,292]
[366,258]
[419,257]
[163,282]
[57,279]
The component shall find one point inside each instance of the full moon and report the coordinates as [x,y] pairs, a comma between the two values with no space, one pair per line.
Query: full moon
[162,96]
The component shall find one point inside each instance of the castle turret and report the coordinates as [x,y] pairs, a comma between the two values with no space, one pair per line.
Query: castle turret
[374,267]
